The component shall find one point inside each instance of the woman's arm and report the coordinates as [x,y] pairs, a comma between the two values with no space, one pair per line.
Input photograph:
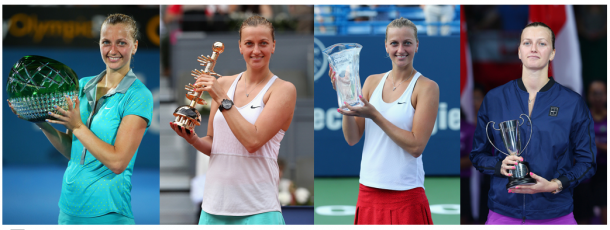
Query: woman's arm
[60,140]
[481,154]
[276,115]
[353,129]
[116,157]
[582,144]
[353,126]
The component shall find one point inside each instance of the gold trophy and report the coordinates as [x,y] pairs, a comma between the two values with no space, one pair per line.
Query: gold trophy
[187,116]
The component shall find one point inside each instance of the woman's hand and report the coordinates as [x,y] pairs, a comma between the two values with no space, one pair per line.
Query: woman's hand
[542,185]
[209,84]
[188,134]
[332,74]
[71,118]
[367,110]
[509,163]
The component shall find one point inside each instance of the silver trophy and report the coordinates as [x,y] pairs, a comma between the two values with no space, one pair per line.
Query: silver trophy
[509,131]
[344,58]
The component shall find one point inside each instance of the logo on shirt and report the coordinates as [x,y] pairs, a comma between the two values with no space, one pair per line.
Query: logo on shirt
[553,111]
[254,107]
[402,102]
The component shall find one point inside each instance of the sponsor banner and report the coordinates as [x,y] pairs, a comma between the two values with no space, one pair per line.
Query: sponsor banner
[72,26]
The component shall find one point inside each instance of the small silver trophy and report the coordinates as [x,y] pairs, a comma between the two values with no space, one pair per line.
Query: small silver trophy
[509,131]
[344,58]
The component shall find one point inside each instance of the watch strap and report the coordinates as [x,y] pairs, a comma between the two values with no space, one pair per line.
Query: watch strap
[559,186]
[221,107]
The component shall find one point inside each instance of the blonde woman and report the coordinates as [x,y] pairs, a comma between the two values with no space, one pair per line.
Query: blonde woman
[255,108]
[105,126]
[561,153]
[398,116]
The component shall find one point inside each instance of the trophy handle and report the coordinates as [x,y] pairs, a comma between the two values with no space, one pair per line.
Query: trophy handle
[487,133]
[531,130]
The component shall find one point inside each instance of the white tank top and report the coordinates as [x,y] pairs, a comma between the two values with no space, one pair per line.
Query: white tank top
[239,183]
[384,164]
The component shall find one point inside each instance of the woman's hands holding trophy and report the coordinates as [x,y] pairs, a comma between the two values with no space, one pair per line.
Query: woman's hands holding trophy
[542,185]
[367,110]
[71,118]
[208,83]
[509,163]
[188,134]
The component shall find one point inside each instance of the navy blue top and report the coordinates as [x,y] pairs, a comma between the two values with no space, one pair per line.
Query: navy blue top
[562,146]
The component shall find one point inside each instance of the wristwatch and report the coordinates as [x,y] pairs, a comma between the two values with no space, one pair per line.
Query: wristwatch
[559,186]
[226,104]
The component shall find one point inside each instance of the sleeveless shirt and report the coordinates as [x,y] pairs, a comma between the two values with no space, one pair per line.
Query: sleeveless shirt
[386,165]
[239,183]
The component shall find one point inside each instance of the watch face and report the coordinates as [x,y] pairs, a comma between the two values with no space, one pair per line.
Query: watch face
[226,104]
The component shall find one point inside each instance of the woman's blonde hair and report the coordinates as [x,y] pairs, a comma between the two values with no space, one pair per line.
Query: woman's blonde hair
[114,19]
[399,23]
[256,20]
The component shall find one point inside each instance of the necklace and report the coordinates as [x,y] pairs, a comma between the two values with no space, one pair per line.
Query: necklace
[248,94]
[529,101]
[394,81]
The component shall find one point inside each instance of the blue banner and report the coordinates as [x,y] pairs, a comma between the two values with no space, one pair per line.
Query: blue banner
[438,58]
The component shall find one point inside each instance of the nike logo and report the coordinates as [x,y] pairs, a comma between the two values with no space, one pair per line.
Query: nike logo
[402,102]
[108,108]
[254,107]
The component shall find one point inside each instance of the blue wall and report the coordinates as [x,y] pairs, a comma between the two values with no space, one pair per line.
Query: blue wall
[437,59]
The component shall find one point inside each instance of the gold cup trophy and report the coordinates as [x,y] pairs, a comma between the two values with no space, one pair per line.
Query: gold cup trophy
[187,116]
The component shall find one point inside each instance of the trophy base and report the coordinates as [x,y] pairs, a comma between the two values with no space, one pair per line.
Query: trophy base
[353,104]
[187,117]
[513,182]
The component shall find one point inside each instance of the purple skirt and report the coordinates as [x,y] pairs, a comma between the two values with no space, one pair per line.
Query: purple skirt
[497,219]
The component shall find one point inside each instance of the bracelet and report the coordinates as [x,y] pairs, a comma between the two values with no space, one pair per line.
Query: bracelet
[559,186]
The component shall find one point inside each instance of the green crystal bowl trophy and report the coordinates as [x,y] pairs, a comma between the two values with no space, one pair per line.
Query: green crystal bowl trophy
[36,84]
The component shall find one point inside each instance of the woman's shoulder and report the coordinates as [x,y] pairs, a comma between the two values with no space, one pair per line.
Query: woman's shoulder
[139,87]
[426,85]
[373,79]
[83,81]
[283,86]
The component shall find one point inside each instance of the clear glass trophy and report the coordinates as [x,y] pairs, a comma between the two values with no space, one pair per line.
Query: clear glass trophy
[344,58]
[36,84]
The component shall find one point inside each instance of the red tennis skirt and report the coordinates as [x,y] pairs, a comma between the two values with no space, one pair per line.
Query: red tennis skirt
[381,206]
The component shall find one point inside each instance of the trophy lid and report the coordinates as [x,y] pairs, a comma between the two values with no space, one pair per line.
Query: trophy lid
[37,75]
